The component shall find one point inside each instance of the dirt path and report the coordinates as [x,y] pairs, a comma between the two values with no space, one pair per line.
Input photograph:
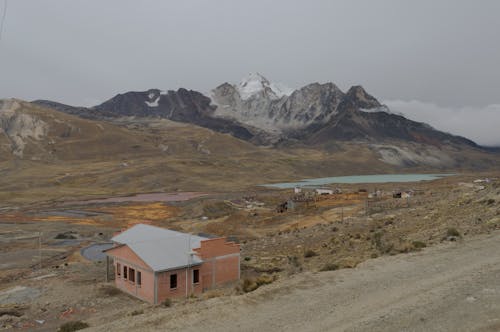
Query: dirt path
[451,287]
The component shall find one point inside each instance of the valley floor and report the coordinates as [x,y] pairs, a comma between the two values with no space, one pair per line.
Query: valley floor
[449,287]
[427,263]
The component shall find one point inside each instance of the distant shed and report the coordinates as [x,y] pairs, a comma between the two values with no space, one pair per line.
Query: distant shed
[322,191]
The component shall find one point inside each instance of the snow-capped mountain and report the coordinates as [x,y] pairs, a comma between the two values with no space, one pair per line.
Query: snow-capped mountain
[263,112]
[251,101]
[256,85]
[257,102]
[272,107]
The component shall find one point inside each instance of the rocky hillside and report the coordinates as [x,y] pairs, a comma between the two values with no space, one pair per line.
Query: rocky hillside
[20,130]
[183,105]
[31,132]
[361,116]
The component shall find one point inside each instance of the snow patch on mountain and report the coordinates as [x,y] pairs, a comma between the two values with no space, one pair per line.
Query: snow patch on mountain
[254,84]
[153,102]
[281,89]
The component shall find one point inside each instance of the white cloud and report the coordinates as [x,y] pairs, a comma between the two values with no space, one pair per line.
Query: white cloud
[481,125]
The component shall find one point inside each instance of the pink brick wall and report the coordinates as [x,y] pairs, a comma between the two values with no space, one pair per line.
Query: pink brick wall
[221,265]
[145,291]
[124,256]
[221,262]
[164,290]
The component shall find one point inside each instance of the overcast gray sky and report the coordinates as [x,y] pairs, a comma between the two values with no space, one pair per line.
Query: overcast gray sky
[421,56]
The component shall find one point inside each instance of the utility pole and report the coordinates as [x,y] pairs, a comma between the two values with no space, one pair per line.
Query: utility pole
[188,265]
[40,249]
[107,268]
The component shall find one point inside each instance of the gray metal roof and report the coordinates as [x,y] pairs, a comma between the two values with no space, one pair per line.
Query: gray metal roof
[160,248]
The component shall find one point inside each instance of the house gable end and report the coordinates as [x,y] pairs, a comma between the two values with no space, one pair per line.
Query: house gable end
[127,255]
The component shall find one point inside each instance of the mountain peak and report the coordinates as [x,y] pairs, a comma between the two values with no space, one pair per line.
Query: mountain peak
[361,99]
[255,83]
[254,77]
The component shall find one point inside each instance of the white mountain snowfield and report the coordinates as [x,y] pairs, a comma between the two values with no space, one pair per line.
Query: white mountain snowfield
[249,101]
[270,106]
[254,84]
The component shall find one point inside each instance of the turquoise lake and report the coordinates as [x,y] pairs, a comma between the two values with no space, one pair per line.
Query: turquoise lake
[377,178]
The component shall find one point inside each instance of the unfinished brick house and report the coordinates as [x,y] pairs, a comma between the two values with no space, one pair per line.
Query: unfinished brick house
[154,263]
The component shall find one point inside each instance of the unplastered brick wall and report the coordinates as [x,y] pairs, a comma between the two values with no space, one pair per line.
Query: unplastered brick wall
[216,248]
[221,262]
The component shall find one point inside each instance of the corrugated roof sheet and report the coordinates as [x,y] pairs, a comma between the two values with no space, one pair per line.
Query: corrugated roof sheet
[160,248]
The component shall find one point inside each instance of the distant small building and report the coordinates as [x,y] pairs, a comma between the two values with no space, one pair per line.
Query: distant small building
[406,194]
[402,194]
[321,191]
[376,193]
[297,190]
[154,263]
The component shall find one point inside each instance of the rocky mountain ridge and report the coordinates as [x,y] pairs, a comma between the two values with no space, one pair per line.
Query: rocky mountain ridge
[263,112]
[31,132]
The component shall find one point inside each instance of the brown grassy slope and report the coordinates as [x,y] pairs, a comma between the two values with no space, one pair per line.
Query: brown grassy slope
[78,158]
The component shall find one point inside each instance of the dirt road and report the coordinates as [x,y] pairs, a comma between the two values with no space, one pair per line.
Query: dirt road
[450,287]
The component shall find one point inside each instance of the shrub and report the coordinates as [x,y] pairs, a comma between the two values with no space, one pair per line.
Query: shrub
[310,253]
[270,269]
[264,279]
[377,241]
[249,285]
[247,258]
[330,267]
[418,244]
[381,244]
[452,232]
[73,326]
[294,260]
[65,236]
[137,312]
[167,302]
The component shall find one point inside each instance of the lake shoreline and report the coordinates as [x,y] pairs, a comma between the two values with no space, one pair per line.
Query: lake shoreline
[355,179]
